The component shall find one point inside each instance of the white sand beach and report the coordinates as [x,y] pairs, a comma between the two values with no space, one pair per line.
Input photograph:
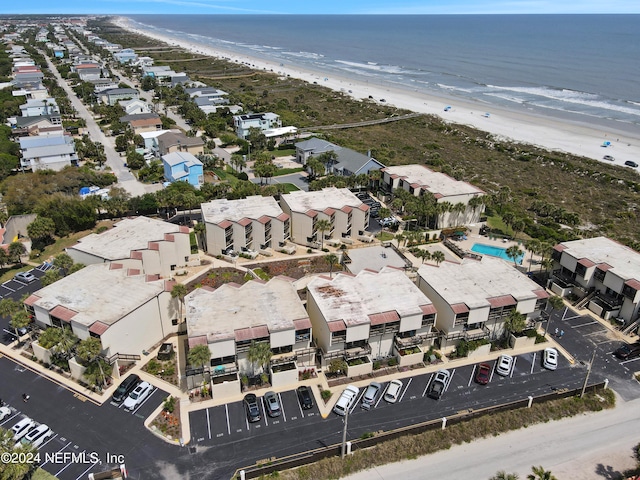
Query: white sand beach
[549,133]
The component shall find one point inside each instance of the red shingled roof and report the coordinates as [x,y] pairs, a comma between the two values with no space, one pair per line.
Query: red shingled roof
[459,308]
[201,340]
[63,313]
[251,333]
[541,293]
[585,262]
[384,317]
[98,328]
[336,326]
[302,323]
[428,309]
[502,301]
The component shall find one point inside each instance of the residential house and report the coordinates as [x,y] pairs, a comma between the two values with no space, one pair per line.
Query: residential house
[50,152]
[261,121]
[143,122]
[38,126]
[126,55]
[369,316]
[135,107]
[232,317]
[254,223]
[347,163]
[146,244]
[127,310]
[114,95]
[347,215]
[420,180]
[603,273]
[37,107]
[102,84]
[183,167]
[474,298]
[176,141]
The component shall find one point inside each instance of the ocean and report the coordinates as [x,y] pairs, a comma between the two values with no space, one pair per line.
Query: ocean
[584,68]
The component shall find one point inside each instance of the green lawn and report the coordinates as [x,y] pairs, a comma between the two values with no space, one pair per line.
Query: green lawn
[290,187]
[385,236]
[284,153]
[41,474]
[286,171]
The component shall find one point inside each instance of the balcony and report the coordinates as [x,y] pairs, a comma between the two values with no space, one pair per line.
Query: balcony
[469,335]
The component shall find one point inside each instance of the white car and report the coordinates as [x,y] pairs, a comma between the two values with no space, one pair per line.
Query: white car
[138,395]
[393,391]
[550,358]
[4,413]
[504,365]
[346,399]
[21,428]
[35,437]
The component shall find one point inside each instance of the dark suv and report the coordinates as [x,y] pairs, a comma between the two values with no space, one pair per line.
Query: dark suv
[125,388]
[305,397]
[251,405]
[627,352]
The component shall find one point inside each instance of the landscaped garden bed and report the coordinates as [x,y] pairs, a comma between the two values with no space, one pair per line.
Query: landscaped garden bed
[168,420]
[297,268]
[218,277]
[163,369]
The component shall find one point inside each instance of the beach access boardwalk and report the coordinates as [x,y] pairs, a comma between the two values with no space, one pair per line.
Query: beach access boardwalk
[361,124]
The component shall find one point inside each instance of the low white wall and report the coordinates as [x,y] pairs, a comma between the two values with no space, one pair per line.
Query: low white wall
[77,370]
[41,353]
[481,351]
[286,378]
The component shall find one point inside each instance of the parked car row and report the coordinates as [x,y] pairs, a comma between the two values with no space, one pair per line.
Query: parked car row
[628,351]
[131,392]
[272,403]
[27,432]
[374,205]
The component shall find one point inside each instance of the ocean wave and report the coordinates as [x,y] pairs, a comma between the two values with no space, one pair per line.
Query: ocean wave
[310,55]
[454,89]
[395,69]
[584,99]
[504,96]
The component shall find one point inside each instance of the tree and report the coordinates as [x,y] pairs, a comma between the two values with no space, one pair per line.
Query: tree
[515,322]
[50,337]
[259,354]
[135,160]
[322,226]
[200,230]
[199,355]
[8,307]
[179,291]
[88,351]
[315,167]
[438,257]
[63,261]
[534,245]
[331,259]
[16,250]
[502,475]
[337,366]
[67,343]
[554,301]
[50,276]
[424,255]
[19,319]
[539,473]
[514,253]
[41,231]
[17,470]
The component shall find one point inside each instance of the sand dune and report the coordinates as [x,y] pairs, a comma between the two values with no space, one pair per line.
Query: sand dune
[549,133]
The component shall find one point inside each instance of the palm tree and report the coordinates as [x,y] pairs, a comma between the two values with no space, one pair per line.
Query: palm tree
[555,302]
[88,351]
[67,343]
[8,307]
[515,322]
[502,475]
[424,255]
[259,354]
[539,473]
[179,291]
[331,259]
[322,226]
[199,355]
[201,229]
[19,319]
[514,252]
[438,257]
[533,246]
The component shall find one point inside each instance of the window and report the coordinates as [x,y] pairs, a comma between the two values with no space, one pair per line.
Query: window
[629,292]
[461,319]
[283,349]
[339,336]
[581,270]
[223,360]
[428,320]
[599,274]
[303,335]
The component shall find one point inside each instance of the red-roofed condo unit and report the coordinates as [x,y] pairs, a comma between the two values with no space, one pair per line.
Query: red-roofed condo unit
[603,273]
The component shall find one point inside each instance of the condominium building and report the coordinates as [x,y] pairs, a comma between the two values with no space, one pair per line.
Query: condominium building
[371,315]
[419,180]
[347,215]
[231,318]
[603,273]
[249,224]
[151,246]
[474,298]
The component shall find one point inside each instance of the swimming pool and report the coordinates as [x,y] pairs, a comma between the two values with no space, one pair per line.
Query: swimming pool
[494,252]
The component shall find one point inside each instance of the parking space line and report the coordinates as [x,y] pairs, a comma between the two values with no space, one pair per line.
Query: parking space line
[208,424]
[627,361]
[10,289]
[10,418]
[384,390]
[427,386]
[65,467]
[446,387]
[264,411]
[491,374]
[282,407]
[226,408]
[246,419]
[83,473]
[50,438]
[300,407]
[357,401]
[584,324]
[145,400]
[43,464]
[472,374]
[533,362]
[513,367]
[405,390]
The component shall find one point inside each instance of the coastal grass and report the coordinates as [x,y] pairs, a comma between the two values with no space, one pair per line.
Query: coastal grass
[412,446]
[604,196]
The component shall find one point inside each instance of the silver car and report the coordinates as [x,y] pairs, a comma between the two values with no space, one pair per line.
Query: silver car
[504,365]
[371,395]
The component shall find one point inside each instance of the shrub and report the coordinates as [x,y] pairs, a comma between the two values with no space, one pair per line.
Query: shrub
[376,365]
[325,394]
[393,361]
[170,404]
[153,367]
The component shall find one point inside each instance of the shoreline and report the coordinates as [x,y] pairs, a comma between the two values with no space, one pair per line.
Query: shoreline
[530,128]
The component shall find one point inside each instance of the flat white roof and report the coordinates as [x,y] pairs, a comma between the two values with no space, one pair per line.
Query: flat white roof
[252,207]
[625,262]
[472,282]
[434,182]
[353,298]
[126,236]
[374,258]
[99,292]
[320,200]
[218,313]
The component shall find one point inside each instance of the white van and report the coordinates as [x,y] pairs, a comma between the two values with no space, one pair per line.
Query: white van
[346,400]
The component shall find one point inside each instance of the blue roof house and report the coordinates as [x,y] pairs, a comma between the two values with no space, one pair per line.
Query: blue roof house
[183,166]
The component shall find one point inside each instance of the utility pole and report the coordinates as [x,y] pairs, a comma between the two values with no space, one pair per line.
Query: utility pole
[586,378]
[343,450]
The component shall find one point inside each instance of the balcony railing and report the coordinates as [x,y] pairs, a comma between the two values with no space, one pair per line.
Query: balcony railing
[415,340]
[469,335]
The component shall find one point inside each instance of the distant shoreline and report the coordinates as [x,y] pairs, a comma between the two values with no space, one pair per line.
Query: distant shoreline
[529,128]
